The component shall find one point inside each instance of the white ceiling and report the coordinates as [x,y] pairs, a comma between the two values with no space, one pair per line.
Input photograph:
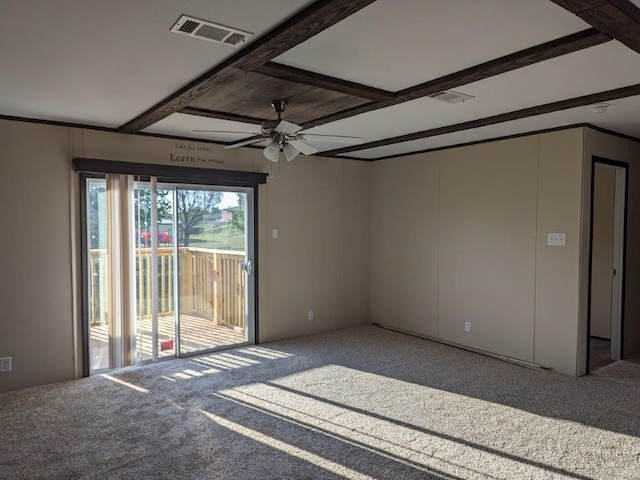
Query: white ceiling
[102,63]
[394,45]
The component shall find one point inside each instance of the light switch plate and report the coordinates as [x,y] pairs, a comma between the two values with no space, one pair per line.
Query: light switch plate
[5,364]
[557,239]
[274,234]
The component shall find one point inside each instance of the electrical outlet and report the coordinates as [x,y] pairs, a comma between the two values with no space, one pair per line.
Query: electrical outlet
[310,315]
[5,364]
[467,326]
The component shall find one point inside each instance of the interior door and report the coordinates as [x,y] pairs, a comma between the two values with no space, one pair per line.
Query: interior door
[602,251]
[608,234]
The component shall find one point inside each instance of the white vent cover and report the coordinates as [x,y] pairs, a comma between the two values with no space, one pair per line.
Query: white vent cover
[450,96]
[212,32]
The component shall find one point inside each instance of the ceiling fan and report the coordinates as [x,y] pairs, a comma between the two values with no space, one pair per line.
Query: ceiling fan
[286,137]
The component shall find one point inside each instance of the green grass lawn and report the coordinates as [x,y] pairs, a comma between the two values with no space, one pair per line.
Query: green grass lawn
[224,237]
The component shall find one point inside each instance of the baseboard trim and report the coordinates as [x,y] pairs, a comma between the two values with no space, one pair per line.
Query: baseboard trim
[497,356]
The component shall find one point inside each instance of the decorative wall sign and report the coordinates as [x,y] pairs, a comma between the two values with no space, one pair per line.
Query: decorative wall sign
[190,153]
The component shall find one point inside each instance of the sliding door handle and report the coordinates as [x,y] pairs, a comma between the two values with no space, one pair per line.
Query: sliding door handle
[248,267]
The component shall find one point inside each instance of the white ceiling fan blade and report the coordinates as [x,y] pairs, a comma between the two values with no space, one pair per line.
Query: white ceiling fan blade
[224,131]
[332,138]
[290,152]
[248,141]
[287,127]
[304,147]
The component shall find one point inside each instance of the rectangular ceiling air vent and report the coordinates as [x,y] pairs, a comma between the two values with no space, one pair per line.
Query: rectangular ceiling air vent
[210,31]
[450,96]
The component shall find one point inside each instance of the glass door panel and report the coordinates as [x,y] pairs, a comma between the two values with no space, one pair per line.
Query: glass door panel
[212,258]
[154,327]
[99,314]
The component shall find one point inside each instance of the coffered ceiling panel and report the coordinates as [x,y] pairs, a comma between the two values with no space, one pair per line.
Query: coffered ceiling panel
[394,45]
[251,94]
[568,76]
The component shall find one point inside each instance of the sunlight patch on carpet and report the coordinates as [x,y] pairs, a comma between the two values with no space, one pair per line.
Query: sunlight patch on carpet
[287,448]
[126,384]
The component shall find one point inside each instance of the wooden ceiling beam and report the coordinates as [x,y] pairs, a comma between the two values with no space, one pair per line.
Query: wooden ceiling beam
[579,6]
[529,56]
[582,101]
[312,20]
[620,19]
[545,51]
[292,74]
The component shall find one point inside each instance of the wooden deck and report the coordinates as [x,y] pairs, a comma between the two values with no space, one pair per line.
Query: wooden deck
[195,334]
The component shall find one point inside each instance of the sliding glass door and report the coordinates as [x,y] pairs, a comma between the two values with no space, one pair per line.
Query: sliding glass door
[213,264]
[168,269]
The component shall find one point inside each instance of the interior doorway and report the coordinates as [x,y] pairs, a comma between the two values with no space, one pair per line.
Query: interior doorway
[607,257]
[168,269]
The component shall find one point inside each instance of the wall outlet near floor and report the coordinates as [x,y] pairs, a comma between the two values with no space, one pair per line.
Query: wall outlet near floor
[5,364]
[467,326]
[310,315]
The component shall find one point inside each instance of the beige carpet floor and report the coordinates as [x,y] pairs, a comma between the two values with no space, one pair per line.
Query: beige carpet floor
[363,403]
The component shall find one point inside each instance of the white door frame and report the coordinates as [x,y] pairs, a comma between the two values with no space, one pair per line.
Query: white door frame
[617,284]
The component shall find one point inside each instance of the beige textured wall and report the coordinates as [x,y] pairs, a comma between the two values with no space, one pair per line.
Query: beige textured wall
[558,269]
[320,259]
[487,246]
[404,243]
[614,148]
[320,262]
[602,251]
[460,235]
[36,327]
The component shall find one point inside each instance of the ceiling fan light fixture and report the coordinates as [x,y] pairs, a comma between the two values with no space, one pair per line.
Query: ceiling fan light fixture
[290,152]
[272,151]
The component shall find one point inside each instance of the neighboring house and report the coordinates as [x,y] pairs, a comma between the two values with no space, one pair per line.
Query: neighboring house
[226,216]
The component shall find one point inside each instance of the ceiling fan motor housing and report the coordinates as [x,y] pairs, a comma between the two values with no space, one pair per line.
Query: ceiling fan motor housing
[269,126]
[279,106]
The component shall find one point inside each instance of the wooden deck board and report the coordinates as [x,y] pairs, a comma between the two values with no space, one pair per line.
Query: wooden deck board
[195,334]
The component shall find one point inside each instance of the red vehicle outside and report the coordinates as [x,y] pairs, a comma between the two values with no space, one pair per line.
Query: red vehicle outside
[163,238]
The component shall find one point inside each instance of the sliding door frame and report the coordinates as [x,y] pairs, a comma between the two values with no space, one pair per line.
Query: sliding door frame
[95,168]
[84,272]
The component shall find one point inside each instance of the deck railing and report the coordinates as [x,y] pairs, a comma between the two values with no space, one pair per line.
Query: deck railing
[211,284]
